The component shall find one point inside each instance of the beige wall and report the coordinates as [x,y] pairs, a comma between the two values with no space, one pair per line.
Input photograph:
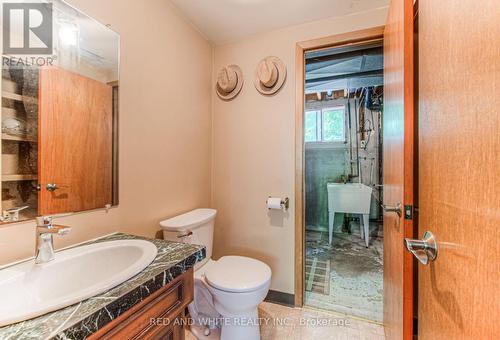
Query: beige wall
[165,135]
[253,148]
[165,124]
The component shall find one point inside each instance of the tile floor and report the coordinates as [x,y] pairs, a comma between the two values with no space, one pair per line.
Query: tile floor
[356,272]
[285,323]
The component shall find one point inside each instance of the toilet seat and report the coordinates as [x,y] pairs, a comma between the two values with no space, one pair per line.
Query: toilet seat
[200,272]
[237,274]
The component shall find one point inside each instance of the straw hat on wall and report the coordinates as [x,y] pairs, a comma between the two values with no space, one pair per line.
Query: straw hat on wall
[270,75]
[229,82]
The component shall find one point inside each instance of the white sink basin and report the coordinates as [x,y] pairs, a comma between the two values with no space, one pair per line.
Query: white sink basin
[354,198]
[28,290]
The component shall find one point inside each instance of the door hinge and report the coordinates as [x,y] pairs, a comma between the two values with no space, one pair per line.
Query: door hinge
[408,212]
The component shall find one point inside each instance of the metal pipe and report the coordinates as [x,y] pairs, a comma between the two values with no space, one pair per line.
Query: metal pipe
[357,139]
[349,126]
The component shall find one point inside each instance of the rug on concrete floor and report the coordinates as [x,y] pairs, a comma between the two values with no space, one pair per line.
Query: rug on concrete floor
[317,275]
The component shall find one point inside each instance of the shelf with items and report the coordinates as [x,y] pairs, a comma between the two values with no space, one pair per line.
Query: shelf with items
[25,214]
[19,177]
[19,161]
[13,86]
[20,138]
[19,195]
[15,96]
[18,142]
[19,113]
[12,96]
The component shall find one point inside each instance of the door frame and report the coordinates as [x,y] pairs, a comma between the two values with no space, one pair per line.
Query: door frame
[338,40]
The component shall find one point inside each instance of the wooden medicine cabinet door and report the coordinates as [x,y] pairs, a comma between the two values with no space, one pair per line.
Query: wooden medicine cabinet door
[75,145]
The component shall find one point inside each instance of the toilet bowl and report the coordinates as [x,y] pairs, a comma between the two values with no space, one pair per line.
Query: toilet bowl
[227,291]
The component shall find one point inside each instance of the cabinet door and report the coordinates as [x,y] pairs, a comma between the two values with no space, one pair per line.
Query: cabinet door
[75,142]
[159,316]
[175,332]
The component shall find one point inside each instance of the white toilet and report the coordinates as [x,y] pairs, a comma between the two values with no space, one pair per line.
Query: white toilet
[227,291]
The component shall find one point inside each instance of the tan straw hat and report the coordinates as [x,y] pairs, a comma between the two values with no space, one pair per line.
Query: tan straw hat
[229,82]
[270,75]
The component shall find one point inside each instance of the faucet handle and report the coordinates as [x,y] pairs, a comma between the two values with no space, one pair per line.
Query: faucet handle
[53,229]
[44,221]
[61,229]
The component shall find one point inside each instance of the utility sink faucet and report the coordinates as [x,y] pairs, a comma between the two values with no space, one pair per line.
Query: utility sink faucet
[45,230]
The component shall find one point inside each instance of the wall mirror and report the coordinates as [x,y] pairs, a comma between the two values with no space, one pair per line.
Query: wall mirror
[59,121]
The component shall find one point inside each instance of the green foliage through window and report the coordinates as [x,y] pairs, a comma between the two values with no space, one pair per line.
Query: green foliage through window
[311,126]
[327,125]
[333,125]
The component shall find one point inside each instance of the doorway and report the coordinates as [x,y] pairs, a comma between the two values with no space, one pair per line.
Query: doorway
[340,95]
[343,177]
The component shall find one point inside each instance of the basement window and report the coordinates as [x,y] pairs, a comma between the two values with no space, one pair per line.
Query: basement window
[325,126]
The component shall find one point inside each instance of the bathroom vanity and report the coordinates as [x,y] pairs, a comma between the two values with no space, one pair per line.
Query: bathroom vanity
[150,305]
[159,316]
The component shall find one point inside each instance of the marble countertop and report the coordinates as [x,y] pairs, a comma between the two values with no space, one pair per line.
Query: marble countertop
[84,318]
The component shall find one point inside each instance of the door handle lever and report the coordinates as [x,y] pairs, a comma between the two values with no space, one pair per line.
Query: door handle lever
[424,250]
[51,187]
[396,209]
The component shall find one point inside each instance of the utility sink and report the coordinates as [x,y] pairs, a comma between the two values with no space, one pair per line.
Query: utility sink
[353,198]
[28,290]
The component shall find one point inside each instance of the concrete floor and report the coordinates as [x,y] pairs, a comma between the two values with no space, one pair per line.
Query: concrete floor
[285,323]
[356,272]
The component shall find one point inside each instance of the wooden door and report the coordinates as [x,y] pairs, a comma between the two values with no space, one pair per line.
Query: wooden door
[459,177]
[75,142]
[398,159]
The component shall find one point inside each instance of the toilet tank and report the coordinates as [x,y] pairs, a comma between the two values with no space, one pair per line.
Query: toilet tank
[194,227]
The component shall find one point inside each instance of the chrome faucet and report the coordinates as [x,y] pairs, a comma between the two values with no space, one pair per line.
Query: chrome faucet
[44,251]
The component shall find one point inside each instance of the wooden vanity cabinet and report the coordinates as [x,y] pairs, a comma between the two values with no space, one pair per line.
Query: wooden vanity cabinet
[160,316]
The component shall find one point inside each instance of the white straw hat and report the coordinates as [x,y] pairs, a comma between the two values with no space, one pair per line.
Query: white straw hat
[270,75]
[229,82]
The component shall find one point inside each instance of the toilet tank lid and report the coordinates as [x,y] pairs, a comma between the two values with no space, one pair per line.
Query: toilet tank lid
[188,220]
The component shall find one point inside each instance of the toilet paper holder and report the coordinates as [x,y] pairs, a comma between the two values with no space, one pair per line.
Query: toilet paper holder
[285,203]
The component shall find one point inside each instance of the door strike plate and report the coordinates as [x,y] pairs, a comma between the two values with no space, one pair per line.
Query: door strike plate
[408,212]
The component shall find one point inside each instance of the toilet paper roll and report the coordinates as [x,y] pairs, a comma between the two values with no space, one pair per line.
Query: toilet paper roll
[274,203]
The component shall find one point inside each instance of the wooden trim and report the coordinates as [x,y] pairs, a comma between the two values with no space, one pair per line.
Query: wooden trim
[399,265]
[115,186]
[344,39]
[299,175]
[409,180]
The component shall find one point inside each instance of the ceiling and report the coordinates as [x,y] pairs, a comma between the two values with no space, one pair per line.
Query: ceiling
[343,68]
[223,21]
[84,45]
